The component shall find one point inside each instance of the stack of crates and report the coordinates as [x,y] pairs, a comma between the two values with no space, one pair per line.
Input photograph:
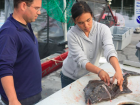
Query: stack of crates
[138,50]
[121,36]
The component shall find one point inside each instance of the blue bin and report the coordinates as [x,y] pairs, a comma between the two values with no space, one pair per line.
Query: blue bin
[138,50]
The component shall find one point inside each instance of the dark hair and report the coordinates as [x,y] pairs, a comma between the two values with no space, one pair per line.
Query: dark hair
[16,2]
[80,7]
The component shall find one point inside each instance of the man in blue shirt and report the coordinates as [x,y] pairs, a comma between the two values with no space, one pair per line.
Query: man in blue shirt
[20,67]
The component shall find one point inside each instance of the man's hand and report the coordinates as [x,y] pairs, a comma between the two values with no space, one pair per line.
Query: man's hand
[15,102]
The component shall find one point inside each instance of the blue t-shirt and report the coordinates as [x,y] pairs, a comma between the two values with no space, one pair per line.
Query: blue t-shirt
[19,57]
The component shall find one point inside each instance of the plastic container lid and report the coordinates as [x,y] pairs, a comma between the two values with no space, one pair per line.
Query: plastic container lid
[138,46]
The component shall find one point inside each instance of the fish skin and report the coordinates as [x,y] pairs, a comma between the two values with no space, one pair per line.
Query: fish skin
[95,91]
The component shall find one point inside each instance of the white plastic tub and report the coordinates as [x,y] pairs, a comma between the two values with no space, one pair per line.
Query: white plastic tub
[121,36]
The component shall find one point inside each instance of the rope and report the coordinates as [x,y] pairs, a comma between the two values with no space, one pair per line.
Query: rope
[56,60]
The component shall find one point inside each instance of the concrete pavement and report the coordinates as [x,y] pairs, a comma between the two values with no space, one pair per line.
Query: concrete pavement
[128,53]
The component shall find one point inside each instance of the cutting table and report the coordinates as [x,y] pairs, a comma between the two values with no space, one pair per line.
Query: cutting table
[73,94]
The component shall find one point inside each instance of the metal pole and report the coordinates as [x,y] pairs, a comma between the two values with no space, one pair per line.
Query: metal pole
[48,24]
[65,24]
[122,6]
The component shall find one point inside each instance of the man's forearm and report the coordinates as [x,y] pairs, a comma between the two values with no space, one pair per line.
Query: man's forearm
[8,86]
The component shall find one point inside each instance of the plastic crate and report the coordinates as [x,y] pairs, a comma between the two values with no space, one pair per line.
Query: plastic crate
[138,50]
[121,36]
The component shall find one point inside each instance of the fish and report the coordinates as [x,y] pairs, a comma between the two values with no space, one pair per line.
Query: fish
[97,90]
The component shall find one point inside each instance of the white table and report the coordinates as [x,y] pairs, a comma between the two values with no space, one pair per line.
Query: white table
[73,94]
